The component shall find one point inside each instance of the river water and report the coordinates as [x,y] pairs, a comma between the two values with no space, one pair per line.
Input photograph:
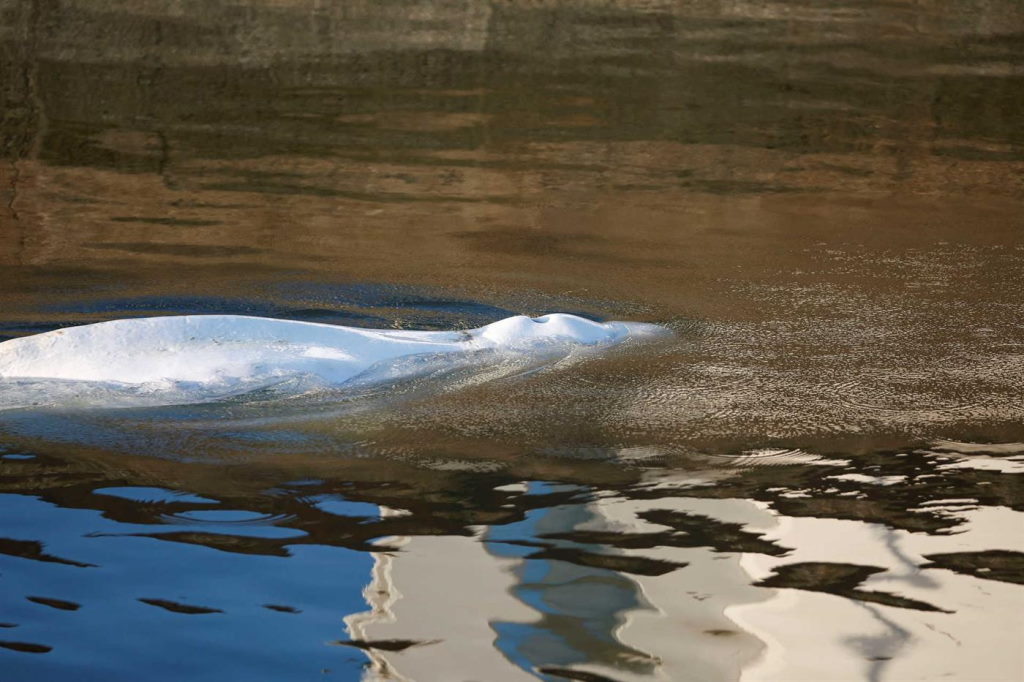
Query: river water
[818,477]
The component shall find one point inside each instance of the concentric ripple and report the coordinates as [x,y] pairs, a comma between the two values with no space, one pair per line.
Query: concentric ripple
[907,393]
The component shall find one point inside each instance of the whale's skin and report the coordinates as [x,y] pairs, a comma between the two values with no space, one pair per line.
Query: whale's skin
[226,350]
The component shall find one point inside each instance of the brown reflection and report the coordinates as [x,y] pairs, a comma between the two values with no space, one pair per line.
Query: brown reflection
[55,603]
[29,549]
[689,530]
[27,647]
[841,579]
[834,196]
[382,644]
[176,607]
[567,674]
[435,501]
[521,144]
[613,562]
[993,564]
[823,492]
[282,608]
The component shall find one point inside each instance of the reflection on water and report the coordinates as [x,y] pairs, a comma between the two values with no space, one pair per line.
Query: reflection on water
[399,570]
[817,478]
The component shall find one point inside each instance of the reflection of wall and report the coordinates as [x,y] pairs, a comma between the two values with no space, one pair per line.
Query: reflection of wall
[21,123]
[381,593]
[256,32]
[745,74]
[535,149]
[687,629]
[441,591]
[474,102]
[973,633]
[501,616]
[579,609]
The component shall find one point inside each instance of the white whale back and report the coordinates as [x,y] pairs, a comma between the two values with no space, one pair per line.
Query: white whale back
[220,353]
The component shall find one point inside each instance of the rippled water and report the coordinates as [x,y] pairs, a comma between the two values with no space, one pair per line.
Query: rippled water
[817,478]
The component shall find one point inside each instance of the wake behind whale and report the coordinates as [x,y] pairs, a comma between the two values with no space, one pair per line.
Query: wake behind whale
[195,359]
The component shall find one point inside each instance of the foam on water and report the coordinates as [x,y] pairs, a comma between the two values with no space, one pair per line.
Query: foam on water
[204,358]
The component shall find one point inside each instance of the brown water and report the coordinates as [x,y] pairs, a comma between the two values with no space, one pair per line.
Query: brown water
[817,478]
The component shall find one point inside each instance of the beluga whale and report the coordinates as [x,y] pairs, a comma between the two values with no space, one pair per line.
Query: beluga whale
[190,359]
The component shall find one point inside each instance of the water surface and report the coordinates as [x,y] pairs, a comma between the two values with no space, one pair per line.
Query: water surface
[817,478]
